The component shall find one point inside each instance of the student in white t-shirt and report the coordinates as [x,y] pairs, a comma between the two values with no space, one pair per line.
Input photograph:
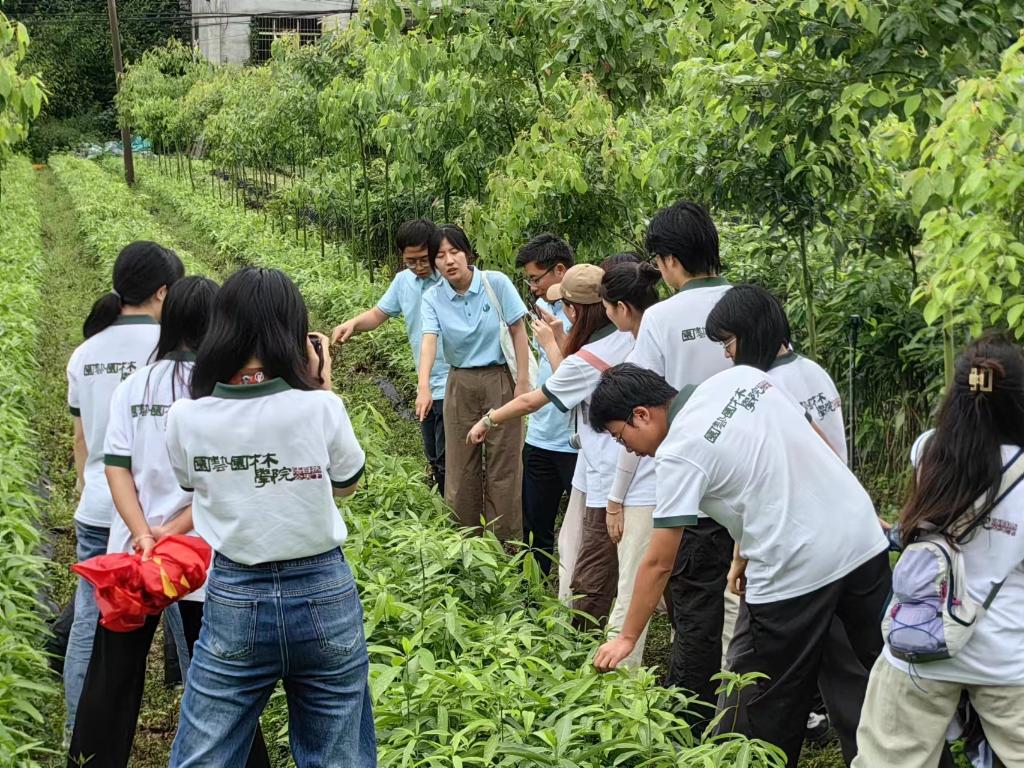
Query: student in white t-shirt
[751,325]
[742,451]
[121,333]
[265,447]
[979,432]
[404,298]
[150,506]
[672,341]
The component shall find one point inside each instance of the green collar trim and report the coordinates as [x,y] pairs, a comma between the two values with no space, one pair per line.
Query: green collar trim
[135,320]
[602,333]
[703,282]
[246,391]
[181,356]
[786,359]
[679,401]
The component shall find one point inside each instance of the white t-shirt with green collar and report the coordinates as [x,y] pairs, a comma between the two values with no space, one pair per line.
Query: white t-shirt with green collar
[569,388]
[742,451]
[96,367]
[136,440]
[262,460]
[672,340]
[808,383]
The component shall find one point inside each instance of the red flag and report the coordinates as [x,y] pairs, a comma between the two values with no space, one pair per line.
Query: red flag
[128,590]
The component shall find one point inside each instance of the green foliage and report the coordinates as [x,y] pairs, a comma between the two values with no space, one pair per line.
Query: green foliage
[71,46]
[109,216]
[21,96]
[24,673]
[969,186]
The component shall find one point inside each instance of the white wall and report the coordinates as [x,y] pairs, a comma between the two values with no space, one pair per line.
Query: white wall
[226,41]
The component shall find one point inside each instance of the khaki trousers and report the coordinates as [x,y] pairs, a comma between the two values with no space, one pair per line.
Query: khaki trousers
[903,723]
[569,537]
[596,575]
[637,525]
[483,481]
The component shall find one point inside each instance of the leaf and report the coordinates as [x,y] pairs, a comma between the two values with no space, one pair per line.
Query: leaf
[910,105]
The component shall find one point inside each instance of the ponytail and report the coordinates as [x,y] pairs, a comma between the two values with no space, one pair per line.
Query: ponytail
[105,310]
[633,283]
[141,269]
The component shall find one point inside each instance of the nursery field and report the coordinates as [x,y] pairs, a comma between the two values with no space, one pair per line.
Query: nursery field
[473,662]
[862,160]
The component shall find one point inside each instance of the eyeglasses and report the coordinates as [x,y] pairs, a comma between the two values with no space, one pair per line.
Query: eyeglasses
[421,262]
[730,342]
[538,278]
[618,438]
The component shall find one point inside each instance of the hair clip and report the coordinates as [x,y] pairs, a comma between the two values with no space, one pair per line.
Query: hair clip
[980,380]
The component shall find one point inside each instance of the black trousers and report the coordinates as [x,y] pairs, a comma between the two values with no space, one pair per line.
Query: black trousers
[788,640]
[697,592]
[108,712]
[842,682]
[432,429]
[547,476]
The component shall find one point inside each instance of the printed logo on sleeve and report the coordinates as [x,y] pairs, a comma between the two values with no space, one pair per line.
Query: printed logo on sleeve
[743,398]
[126,369]
[263,465]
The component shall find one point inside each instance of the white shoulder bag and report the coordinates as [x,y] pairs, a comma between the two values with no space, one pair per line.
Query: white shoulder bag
[505,337]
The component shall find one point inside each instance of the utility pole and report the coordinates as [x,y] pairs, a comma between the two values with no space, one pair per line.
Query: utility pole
[126,136]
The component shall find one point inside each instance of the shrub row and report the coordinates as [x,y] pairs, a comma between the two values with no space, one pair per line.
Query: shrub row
[23,666]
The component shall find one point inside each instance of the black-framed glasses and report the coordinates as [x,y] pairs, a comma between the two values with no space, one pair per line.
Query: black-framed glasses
[534,280]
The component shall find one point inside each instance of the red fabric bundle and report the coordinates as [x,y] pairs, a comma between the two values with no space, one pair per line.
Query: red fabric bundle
[128,590]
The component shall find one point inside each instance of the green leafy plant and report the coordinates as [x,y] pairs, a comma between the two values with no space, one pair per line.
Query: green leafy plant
[24,673]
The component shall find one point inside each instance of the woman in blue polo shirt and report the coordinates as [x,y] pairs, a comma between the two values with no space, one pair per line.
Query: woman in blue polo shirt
[466,311]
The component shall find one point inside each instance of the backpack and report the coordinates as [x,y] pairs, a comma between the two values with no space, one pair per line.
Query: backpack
[930,615]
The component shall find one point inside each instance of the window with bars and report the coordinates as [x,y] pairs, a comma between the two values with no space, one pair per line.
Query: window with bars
[266,29]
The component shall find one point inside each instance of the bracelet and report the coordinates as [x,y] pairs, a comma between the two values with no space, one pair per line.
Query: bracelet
[488,421]
[137,539]
[609,512]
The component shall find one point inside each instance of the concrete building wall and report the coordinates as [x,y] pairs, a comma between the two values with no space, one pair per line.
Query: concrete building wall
[226,40]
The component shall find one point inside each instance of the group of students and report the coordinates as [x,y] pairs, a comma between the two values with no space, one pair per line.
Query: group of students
[185,396]
[698,459]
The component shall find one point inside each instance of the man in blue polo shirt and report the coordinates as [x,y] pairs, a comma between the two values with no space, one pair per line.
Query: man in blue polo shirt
[548,459]
[402,299]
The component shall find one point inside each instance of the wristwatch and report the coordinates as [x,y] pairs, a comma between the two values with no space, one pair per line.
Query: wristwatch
[488,421]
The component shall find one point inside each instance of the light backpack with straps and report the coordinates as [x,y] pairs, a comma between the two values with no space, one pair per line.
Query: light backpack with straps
[930,615]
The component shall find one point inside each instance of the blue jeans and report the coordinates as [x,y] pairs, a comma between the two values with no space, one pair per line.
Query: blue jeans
[299,621]
[91,541]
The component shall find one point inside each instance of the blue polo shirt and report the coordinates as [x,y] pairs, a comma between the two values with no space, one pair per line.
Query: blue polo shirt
[468,323]
[403,298]
[549,428]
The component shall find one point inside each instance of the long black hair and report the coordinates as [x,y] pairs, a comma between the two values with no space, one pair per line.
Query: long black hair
[140,270]
[983,410]
[257,313]
[456,237]
[756,319]
[633,283]
[183,323]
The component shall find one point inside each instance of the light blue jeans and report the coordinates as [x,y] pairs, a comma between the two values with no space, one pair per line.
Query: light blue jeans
[91,541]
[299,621]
